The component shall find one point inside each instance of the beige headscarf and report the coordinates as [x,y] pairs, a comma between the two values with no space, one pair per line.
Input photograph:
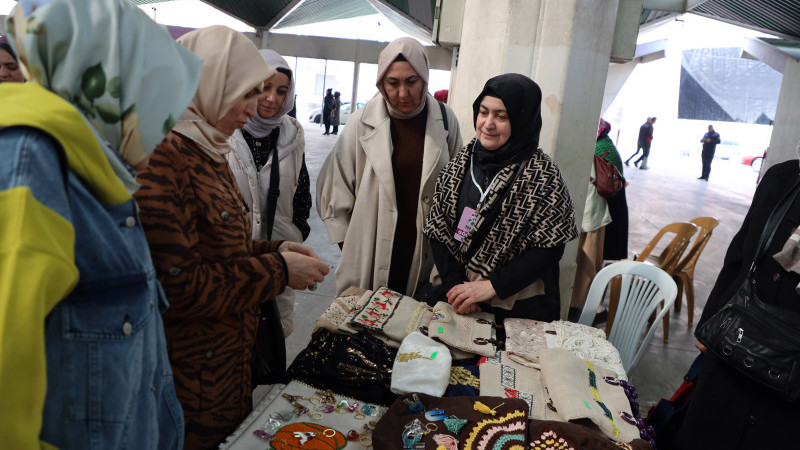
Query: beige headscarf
[232,67]
[415,54]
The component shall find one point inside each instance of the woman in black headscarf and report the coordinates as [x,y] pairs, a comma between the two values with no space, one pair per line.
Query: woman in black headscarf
[501,212]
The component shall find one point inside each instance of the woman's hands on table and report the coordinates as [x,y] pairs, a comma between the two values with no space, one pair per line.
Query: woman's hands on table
[465,296]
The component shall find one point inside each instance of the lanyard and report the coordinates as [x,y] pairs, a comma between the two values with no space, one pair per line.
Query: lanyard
[478,186]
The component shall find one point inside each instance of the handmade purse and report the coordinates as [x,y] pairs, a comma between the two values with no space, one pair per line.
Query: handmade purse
[759,340]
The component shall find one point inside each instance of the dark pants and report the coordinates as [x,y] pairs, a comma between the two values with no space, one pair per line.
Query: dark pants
[707,157]
[645,153]
[645,148]
[326,119]
[336,129]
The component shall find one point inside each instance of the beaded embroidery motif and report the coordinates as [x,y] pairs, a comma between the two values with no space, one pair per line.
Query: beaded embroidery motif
[549,440]
[596,395]
[460,375]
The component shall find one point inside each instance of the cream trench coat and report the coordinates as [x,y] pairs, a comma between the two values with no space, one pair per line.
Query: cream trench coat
[255,185]
[356,196]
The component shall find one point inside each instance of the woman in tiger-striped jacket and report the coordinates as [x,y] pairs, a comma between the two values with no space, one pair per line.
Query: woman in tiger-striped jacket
[198,227]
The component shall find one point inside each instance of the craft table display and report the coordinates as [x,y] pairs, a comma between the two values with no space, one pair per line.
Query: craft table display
[298,416]
[542,373]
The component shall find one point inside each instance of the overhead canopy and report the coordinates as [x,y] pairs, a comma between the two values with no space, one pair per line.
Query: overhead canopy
[777,17]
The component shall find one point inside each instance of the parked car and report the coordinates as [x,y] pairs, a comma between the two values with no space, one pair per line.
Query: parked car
[726,149]
[344,113]
[754,161]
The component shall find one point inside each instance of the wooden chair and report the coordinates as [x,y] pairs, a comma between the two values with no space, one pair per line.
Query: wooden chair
[667,261]
[684,271]
[643,290]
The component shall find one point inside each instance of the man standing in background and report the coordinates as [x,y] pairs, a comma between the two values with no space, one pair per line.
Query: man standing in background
[710,141]
[643,144]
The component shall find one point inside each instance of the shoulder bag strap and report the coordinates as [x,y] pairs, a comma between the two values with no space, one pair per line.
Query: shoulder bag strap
[775,218]
[274,183]
[444,115]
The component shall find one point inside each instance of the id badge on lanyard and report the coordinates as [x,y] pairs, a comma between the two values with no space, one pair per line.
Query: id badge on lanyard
[465,224]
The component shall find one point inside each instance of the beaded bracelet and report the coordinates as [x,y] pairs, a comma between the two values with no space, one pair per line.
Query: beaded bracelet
[645,432]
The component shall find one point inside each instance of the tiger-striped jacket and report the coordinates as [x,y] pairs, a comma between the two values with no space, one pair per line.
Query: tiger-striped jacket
[199,231]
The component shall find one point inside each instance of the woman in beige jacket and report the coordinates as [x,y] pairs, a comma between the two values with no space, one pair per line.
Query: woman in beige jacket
[374,190]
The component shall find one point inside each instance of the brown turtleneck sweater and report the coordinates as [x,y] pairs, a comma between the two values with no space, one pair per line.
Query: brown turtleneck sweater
[408,142]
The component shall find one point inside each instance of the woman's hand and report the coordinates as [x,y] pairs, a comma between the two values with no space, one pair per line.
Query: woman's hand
[290,246]
[465,296]
[305,271]
[700,346]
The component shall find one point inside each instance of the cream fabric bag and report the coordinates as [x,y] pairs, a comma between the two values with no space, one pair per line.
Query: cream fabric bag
[472,333]
[581,394]
[502,377]
[421,365]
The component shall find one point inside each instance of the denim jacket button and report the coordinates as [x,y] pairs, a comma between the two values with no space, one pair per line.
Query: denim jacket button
[244,209]
[130,221]
[127,328]
[152,388]
[174,271]
[225,215]
[210,354]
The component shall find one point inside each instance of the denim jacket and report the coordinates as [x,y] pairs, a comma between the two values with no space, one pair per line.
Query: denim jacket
[108,378]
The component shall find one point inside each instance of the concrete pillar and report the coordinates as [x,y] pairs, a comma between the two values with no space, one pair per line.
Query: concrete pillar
[562,45]
[786,127]
[354,98]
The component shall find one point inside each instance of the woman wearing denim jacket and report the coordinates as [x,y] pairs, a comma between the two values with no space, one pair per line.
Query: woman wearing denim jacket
[83,360]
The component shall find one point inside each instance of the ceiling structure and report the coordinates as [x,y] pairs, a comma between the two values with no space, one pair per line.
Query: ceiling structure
[778,17]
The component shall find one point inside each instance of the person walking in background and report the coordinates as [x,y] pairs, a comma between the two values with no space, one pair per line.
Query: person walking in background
[327,107]
[83,356]
[710,141]
[376,185]
[337,105]
[9,66]
[643,144]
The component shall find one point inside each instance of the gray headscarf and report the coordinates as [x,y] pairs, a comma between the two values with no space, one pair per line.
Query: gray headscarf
[261,126]
[415,54]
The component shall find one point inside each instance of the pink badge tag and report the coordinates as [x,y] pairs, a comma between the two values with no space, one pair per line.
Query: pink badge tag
[465,224]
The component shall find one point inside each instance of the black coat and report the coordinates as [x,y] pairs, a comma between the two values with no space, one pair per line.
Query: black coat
[729,410]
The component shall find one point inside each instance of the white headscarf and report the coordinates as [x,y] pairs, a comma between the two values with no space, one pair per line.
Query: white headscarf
[415,54]
[261,126]
[231,68]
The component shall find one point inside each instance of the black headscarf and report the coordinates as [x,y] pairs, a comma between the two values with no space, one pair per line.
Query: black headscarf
[522,98]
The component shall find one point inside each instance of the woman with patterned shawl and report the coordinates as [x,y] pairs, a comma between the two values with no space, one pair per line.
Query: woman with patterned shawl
[501,212]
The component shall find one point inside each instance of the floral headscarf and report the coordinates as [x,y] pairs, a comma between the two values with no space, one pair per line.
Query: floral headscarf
[120,69]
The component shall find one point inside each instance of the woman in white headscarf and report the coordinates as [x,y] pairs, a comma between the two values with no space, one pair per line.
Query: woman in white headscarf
[271,134]
[198,227]
[374,190]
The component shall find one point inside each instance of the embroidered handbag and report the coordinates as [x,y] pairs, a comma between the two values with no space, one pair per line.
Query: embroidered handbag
[759,340]
[608,181]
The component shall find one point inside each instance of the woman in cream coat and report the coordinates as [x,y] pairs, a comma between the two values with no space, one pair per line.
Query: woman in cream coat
[251,164]
[377,225]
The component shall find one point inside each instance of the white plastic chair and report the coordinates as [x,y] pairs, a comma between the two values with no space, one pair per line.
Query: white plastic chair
[643,289]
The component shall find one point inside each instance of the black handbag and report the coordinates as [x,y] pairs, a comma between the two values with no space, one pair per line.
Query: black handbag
[760,340]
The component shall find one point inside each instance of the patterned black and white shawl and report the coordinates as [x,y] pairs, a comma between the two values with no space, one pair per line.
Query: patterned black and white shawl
[537,212]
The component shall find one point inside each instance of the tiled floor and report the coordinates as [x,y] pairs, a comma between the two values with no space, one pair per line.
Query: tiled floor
[668,192]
